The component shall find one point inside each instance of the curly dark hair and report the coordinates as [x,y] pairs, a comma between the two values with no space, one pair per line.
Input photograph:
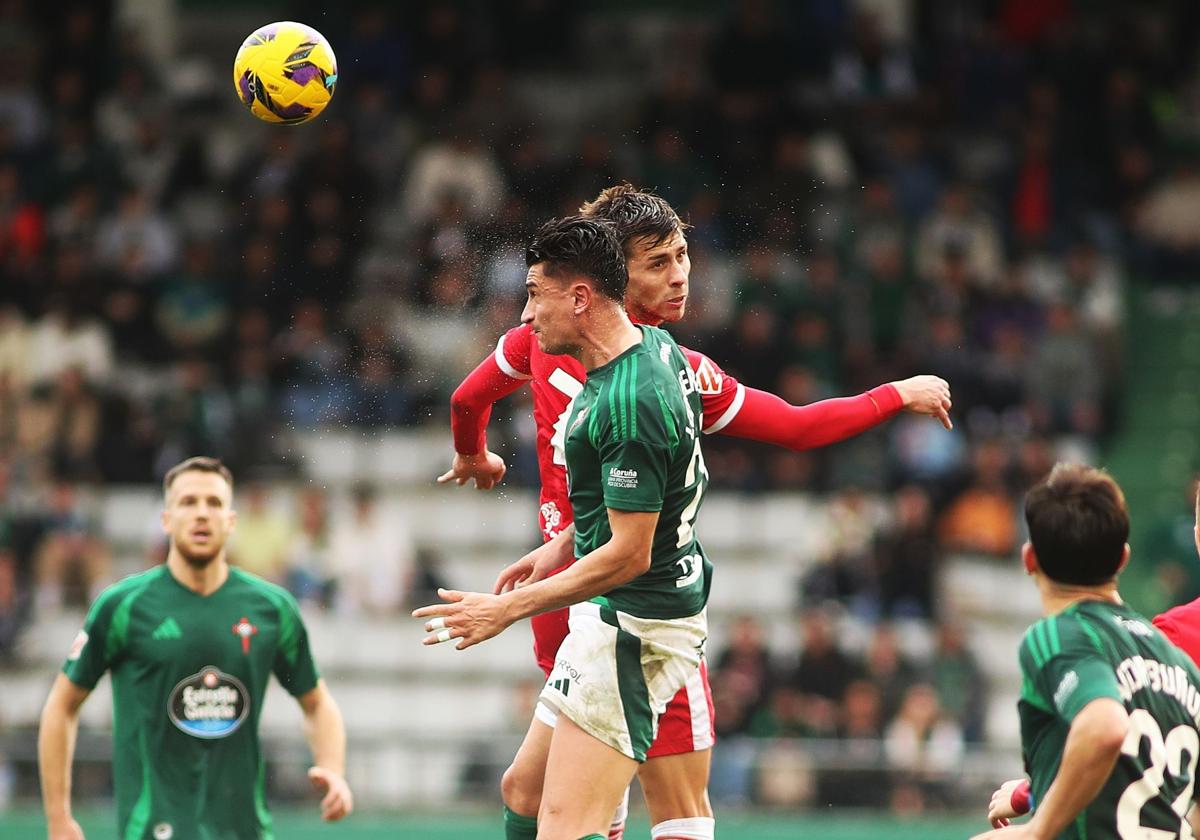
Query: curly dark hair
[635,215]
[584,247]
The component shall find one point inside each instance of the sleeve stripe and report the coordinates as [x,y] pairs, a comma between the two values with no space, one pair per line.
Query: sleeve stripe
[1055,645]
[502,361]
[731,412]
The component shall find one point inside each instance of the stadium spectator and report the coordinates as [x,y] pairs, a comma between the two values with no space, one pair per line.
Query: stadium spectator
[958,679]
[907,557]
[263,537]
[310,573]
[72,561]
[807,702]
[923,744]
[743,678]
[372,555]
[982,518]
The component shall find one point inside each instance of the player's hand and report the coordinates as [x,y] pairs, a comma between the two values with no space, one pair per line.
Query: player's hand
[926,395]
[338,801]
[66,829]
[470,617]
[486,468]
[531,568]
[1001,808]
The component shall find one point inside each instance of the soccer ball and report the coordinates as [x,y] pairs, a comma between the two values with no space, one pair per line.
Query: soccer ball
[285,73]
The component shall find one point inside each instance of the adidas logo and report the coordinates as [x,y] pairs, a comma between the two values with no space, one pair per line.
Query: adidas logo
[562,686]
[169,629]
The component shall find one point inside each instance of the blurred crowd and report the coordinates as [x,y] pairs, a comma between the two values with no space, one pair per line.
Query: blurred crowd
[891,730]
[874,190]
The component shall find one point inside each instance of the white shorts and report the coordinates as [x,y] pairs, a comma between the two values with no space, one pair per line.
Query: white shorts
[615,673]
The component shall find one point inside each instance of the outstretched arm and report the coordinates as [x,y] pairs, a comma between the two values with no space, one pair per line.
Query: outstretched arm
[56,751]
[770,419]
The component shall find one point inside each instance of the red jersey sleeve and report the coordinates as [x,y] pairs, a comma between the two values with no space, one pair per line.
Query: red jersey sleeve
[471,403]
[733,409]
[512,352]
[720,394]
[1182,626]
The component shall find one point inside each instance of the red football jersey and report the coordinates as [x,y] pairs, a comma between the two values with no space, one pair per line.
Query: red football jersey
[555,380]
[1182,626]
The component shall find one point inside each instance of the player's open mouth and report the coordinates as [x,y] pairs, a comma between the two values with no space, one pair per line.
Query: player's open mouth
[677,302]
[201,535]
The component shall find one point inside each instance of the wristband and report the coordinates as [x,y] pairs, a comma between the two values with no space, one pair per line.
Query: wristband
[1022,798]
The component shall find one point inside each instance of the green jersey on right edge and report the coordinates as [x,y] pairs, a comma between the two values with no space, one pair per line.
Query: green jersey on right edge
[633,444]
[1096,649]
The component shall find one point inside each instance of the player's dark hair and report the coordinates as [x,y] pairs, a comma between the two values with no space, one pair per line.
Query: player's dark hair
[635,215]
[200,463]
[577,246]
[1078,524]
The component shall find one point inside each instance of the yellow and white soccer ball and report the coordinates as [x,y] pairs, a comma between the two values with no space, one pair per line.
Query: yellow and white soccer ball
[285,73]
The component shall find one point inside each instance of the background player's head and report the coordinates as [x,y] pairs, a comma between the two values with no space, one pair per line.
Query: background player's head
[1078,526]
[576,274]
[198,509]
[655,248]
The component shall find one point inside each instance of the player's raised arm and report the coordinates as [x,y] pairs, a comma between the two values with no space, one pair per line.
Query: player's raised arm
[1091,751]
[471,407]
[56,752]
[326,734]
[731,408]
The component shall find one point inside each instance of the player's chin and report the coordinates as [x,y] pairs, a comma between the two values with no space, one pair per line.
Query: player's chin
[669,313]
[198,556]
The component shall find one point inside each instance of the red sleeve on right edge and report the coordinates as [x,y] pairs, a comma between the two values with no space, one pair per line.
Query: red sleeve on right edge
[471,404]
[1181,626]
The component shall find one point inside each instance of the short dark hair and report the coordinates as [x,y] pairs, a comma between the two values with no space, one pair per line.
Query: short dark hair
[586,247]
[1078,524]
[635,214]
[200,463]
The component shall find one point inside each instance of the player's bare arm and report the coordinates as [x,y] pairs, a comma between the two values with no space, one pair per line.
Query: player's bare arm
[539,563]
[485,468]
[1092,748]
[56,751]
[474,617]
[928,395]
[326,734]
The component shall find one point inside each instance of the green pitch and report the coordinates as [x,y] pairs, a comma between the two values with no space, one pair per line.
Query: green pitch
[99,825]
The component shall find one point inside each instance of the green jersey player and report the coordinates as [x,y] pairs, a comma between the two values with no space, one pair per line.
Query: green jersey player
[638,588]
[190,645]
[1109,708]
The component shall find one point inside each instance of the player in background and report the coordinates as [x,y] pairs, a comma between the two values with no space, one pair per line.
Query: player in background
[637,480]
[1109,708]
[653,240]
[191,645]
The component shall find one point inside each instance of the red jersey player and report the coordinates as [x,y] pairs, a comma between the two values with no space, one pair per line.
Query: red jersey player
[675,775]
[1182,624]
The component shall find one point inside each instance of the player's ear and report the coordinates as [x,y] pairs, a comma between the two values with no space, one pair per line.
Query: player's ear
[232,520]
[165,519]
[1197,535]
[581,297]
[1029,558]
[1124,559]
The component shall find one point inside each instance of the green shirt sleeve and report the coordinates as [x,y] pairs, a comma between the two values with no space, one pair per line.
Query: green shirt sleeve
[98,643]
[634,473]
[1063,667]
[294,666]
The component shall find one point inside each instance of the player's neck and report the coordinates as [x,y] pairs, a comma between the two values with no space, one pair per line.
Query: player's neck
[203,580]
[605,338]
[1057,597]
